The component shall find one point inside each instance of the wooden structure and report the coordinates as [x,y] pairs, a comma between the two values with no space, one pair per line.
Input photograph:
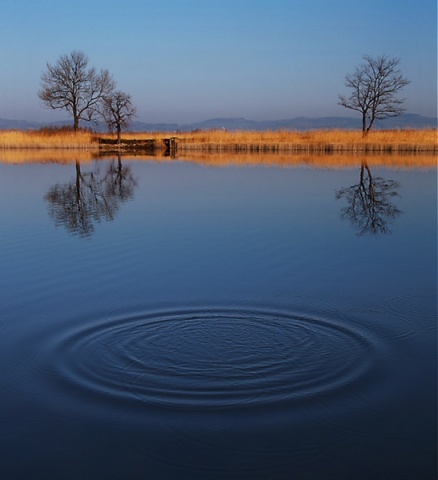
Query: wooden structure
[170,145]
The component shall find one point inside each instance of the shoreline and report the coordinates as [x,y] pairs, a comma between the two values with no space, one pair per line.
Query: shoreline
[218,159]
[306,148]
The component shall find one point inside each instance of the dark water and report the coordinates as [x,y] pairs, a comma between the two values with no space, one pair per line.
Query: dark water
[175,321]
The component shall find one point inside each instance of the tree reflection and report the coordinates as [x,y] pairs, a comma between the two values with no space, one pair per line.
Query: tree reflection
[119,182]
[90,197]
[369,206]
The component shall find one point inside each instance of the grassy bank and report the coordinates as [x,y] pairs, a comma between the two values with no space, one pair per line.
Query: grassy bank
[244,141]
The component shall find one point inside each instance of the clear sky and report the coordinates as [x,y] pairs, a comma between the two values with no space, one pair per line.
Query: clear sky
[189,60]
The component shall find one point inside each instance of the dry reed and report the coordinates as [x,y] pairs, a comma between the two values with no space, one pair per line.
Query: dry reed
[220,140]
[317,140]
[47,139]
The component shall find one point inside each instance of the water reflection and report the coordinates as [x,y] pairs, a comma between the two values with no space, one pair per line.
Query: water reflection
[217,339]
[90,197]
[225,159]
[369,207]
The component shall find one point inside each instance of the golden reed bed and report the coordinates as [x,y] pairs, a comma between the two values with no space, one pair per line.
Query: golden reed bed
[41,139]
[317,140]
[219,140]
[295,141]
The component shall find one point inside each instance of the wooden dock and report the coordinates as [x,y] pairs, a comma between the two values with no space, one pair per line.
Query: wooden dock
[169,145]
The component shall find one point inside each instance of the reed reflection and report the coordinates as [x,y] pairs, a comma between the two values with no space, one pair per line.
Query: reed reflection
[90,197]
[369,208]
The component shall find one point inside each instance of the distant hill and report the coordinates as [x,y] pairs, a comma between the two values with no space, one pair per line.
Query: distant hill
[312,123]
[6,124]
[408,120]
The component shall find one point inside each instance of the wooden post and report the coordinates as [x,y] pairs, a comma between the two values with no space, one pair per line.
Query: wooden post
[171,146]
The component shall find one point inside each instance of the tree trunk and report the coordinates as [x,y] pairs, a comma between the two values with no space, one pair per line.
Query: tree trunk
[370,125]
[75,120]
[364,125]
[118,134]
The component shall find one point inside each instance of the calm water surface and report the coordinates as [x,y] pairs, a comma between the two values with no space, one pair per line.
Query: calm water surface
[169,320]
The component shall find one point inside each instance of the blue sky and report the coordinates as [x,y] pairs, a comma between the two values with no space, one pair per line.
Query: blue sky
[189,60]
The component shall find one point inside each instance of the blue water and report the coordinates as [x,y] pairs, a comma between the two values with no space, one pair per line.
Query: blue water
[169,320]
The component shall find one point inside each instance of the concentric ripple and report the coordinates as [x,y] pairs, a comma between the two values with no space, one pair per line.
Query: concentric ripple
[213,358]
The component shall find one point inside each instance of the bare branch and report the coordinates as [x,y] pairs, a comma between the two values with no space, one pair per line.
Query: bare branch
[117,111]
[70,85]
[375,85]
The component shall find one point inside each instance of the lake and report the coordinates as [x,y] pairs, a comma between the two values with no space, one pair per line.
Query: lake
[220,319]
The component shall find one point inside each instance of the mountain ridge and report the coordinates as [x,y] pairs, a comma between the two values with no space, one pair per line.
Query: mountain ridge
[403,121]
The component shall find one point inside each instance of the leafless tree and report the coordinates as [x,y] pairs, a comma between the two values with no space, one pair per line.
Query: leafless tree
[70,85]
[117,111]
[375,85]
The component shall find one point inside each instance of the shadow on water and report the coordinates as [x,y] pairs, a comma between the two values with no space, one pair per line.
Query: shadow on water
[90,197]
[369,207]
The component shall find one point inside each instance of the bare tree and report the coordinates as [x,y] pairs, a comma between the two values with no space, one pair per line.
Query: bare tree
[70,85]
[375,85]
[117,111]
